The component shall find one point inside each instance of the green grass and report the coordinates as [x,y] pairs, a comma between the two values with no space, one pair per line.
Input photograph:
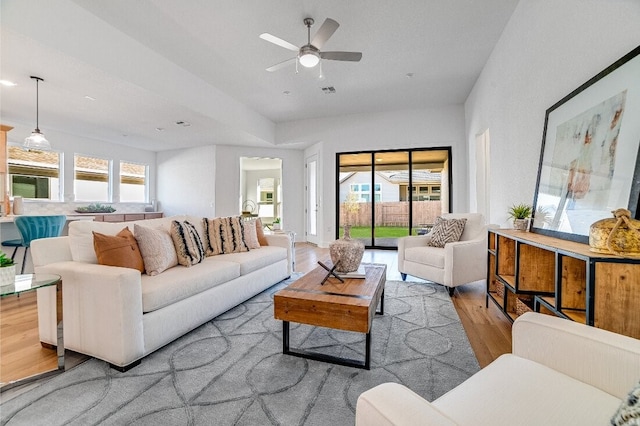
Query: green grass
[381,232]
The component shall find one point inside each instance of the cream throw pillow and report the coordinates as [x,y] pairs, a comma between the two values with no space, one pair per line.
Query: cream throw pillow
[250,234]
[186,240]
[157,249]
[446,231]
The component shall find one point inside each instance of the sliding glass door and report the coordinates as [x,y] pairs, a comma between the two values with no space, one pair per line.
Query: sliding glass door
[384,195]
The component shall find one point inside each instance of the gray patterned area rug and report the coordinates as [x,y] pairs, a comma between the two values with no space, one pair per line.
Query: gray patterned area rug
[231,370]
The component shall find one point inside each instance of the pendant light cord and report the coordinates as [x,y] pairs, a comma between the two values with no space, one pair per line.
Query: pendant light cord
[37,106]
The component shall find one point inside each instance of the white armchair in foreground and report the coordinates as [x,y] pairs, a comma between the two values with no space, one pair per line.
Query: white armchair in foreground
[456,263]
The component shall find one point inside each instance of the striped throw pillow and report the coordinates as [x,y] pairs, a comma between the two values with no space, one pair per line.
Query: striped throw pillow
[224,235]
[186,240]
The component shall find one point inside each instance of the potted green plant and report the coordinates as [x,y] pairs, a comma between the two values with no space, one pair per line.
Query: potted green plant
[520,213]
[276,224]
[7,270]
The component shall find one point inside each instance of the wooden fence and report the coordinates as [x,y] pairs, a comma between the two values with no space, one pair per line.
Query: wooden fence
[392,213]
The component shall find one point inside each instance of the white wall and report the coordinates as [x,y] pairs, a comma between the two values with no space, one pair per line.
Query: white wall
[548,49]
[187,181]
[227,183]
[434,127]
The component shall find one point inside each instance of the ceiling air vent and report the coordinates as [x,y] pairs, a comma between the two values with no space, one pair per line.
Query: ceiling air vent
[328,90]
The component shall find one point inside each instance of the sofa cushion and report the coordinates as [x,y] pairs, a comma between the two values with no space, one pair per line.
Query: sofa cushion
[181,282]
[188,245]
[156,246]
[432,256]
[511,390]
[253,260]
[446,231]
[118,250]
[81,234]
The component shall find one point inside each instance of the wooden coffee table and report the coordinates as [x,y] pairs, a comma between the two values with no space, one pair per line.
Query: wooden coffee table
[346,306]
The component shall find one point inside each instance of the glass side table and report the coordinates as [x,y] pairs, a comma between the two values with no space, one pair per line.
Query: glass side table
[31,282]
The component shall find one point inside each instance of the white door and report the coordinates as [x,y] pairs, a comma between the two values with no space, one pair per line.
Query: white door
[311,204]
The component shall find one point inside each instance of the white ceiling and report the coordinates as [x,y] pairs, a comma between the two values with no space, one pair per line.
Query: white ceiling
[150,63]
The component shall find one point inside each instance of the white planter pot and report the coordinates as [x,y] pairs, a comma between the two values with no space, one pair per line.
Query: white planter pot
[8,275]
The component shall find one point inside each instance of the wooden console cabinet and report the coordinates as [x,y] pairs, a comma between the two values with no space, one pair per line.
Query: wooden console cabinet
[528,271]
[125,217]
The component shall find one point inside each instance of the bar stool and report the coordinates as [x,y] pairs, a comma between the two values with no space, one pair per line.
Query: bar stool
[35,227]
[16,244]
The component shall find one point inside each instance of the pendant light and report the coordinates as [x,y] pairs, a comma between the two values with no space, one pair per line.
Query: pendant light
[37,140]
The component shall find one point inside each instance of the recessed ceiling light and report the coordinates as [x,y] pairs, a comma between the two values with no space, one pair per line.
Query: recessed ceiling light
[409,75]
[286,93]
[89,98]
[8,83]
[183,123]
[160,129]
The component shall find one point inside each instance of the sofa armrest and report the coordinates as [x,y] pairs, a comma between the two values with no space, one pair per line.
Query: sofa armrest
[102,310]
[606,360]
[50,250]
[282,240]
[394,404]
[472,254]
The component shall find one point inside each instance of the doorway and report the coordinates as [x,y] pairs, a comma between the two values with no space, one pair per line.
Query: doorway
[312,200]
[385,195]
[261,188]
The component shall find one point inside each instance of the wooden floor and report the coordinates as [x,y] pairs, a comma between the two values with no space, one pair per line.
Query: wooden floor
[21,354]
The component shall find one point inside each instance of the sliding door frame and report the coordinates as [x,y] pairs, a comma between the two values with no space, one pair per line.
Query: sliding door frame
[410,151]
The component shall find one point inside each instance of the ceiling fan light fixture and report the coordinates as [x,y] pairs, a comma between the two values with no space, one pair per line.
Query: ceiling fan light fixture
[308,57]
[37,140]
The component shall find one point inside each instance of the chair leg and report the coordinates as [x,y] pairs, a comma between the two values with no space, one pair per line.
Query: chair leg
[403,275]
[24,260]
[15,250]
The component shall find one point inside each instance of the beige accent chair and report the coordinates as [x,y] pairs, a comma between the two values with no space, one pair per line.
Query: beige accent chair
[560,372]
[455,264]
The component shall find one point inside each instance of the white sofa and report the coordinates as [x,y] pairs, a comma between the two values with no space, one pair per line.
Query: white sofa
[560,373]
[456,263]
[120,315]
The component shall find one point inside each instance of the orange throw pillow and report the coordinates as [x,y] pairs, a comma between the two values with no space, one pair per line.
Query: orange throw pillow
[260,232]
[118,250]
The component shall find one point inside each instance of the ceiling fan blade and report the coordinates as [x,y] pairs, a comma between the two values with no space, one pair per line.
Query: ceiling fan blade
[342,56]
[282,64]
[280,42]
[329,26]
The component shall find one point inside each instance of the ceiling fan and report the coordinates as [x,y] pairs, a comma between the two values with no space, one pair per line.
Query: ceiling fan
[309,55]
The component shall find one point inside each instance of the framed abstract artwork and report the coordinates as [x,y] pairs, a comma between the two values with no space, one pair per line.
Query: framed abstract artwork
[589,161]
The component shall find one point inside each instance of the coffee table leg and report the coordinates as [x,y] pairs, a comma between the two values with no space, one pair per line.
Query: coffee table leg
[285,337]
[367,356]
[381,312]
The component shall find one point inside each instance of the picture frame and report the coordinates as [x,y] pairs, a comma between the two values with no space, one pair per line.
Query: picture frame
[589,160]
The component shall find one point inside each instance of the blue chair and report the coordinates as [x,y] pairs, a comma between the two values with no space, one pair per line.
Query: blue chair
[35,227]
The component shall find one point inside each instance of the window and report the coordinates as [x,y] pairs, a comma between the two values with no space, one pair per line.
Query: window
[362,192]
[34,174]
[91,181]
[133,182]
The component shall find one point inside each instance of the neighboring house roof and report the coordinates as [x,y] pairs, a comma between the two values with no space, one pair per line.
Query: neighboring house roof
[400,177]
[418,176]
